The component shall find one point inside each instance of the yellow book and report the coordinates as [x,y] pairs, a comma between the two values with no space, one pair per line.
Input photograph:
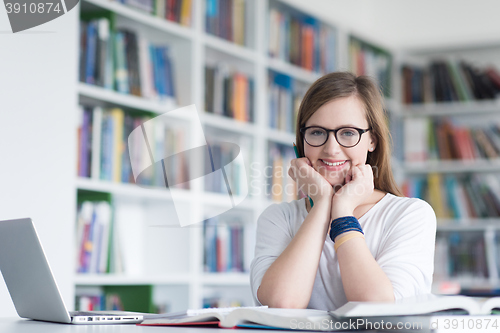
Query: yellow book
[118,119]
[239,22]
[186,12]
[436,195]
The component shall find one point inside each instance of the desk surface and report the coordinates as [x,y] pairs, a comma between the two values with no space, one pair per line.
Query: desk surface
[18,325]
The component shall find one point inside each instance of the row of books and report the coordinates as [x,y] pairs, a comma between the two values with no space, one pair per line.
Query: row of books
[219,302]
[227,19]
[367,59]
[179,11]
[224,156]
[103,151]
[121,60]
[472,196]
[224,246]
[284,102]
[302,41]
[444,139]
[98,303]
[229,93]
[280,187]
[94,238]
[448,81]
[461,257]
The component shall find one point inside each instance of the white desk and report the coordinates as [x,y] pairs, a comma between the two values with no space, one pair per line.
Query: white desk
[18,325]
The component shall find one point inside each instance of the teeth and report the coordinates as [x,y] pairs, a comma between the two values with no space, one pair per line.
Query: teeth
[333,164]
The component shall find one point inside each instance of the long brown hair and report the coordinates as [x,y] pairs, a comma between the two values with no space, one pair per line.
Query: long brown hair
[344,84]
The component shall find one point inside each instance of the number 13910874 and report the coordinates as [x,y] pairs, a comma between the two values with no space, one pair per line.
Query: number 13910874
[33,7]
[468,323]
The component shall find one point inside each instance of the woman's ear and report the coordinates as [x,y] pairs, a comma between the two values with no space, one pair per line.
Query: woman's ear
[373,143]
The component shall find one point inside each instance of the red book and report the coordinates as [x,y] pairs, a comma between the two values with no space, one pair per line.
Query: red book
[494,76]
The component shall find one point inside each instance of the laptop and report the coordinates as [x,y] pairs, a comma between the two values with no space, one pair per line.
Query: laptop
[32,286]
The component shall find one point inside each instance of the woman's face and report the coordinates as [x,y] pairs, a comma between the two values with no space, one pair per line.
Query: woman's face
[332,160]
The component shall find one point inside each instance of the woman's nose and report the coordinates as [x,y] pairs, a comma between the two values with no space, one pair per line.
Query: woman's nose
[331,146]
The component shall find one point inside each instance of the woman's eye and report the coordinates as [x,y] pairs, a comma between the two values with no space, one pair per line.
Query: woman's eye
[348,133]
[317,133]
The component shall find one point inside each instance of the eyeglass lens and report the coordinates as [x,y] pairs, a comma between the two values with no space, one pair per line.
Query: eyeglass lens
[317,136]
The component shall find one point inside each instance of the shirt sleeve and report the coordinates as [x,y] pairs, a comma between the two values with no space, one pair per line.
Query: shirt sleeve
[406,254]
[273,236]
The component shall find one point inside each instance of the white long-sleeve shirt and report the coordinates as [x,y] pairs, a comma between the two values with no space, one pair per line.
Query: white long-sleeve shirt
[400,233]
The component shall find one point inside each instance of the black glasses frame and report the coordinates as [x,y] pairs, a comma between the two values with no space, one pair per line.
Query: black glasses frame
[360,131]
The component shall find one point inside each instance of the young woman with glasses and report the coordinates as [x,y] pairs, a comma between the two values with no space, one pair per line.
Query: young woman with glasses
[361,240]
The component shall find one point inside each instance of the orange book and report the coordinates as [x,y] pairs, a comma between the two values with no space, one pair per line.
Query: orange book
[361,62]
[244,99]
[239,106]
[470,144]
[308,47]
[460,144]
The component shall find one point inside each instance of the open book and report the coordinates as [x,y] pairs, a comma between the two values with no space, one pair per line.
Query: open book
[420,305]
[258,317]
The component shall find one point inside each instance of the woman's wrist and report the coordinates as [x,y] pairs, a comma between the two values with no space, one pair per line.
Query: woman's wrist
[341,211]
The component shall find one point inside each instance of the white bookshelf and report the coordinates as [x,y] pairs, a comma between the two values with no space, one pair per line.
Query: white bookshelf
[470,113]
[178,262]
[472,166]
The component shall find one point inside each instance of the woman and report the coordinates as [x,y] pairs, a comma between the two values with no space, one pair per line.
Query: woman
[361,240]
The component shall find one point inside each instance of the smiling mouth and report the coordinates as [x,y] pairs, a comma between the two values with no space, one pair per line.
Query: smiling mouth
[333,164]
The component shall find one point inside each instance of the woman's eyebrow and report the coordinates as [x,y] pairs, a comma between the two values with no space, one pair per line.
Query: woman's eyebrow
[340,126]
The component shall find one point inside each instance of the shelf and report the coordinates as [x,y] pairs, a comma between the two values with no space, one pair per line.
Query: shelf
[131,190]
[452,166]
[116,279]
[109,98]
[457,285]
[228,124]
[296,72]
[280,137]
[228,47]
[143,18]
[451,108]
[480,224]
[217,199]
[224,279]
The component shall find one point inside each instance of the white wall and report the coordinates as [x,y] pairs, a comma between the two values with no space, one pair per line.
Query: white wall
[38,75]
[412,23]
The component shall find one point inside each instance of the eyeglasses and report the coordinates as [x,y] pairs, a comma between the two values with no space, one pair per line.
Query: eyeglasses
[347,137]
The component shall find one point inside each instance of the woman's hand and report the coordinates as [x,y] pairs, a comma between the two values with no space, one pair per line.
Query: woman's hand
[309,180]
[358,187]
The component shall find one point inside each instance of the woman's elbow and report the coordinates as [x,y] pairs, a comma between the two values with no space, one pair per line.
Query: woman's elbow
[374,297]
[278,301]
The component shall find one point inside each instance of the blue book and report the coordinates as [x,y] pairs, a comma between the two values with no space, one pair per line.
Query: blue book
[451,192]
[161,70]
[121,73]
[166,71]
[169,69]
[91,52]
[107,147]
[154,64]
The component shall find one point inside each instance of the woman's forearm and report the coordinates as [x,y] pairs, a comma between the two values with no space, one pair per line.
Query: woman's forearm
[289,281]
[362,278]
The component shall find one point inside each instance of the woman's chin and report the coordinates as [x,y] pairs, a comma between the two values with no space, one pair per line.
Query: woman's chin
[336,182]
